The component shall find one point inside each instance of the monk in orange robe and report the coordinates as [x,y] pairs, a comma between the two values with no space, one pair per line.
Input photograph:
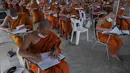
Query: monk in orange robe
[42,41]
[22,6]
[65,23]
[4,4]
[34,10]
[114,43]
[9,4]
[124,23]
[15,20]
[54,20]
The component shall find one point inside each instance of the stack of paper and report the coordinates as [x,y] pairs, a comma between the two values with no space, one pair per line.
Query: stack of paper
[125,17]
[115,31]
[47,61]
[18,31]
[119,32]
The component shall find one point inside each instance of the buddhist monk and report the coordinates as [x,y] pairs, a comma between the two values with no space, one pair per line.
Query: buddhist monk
[54,19]
[34,10]
[5,4]
[105,24]
[122,22]
[41,41]
[65,23]
[15,19]
[9,4]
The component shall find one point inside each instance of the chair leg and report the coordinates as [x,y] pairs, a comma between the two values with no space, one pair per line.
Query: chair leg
[87,36]
[77,37]
[72,36]
[107,52]
[93,46]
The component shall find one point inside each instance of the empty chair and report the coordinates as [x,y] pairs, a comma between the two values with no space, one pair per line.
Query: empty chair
[78,28]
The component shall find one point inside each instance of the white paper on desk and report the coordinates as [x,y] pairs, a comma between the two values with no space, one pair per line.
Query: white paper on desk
[125,31]
[55,15]
[125,17]
[78,8]
[19,31]
[20,26]
[47,61]
[115,31]
[19,70]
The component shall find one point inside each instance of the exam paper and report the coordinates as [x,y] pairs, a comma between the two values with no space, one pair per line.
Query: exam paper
[47,61]
[18,31]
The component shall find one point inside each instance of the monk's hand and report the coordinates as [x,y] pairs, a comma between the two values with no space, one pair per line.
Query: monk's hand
[54,54]
[37,57]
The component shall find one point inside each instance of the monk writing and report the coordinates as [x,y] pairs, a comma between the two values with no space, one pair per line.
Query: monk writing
[15,19]
[41,41]
[34,10]
[114,44]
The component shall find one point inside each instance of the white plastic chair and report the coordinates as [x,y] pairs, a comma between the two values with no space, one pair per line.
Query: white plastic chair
[98,41]
[84,20]
[78,29]
[5,64]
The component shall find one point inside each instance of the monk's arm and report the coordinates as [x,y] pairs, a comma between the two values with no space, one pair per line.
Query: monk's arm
[4,25]
[23,50]
[99,27]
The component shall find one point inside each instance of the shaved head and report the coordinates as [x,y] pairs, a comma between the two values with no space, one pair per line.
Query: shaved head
[44,24]
[13,12]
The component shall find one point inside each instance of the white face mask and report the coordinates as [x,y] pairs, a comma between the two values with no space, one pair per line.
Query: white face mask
[98,6]
[40,35]
[122,8]
[16,17]
[109,19]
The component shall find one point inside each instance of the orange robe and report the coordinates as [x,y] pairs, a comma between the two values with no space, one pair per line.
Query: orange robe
[4,4]
[114,43]
[124,23]
[45,45]
[52,19]
[22,19]
[65,25]
[37,14]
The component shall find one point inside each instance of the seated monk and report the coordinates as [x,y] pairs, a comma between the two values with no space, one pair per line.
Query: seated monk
[123,23]
[105,24]
[41,41]
[15,4]
[22,6]
[4,4]
[34,10]
[15,19]
[54,20]
[65,23]
[9,4]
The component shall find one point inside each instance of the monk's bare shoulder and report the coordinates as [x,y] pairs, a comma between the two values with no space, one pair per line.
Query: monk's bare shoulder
[31,35]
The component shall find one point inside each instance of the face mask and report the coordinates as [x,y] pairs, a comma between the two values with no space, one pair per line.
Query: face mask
[16,17]
[122,8]
[40,35]
[109,19]
[98,6]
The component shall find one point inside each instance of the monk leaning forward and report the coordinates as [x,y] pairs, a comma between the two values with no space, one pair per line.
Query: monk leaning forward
[105,24]
[124,23]
[41,41]
[15,19]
